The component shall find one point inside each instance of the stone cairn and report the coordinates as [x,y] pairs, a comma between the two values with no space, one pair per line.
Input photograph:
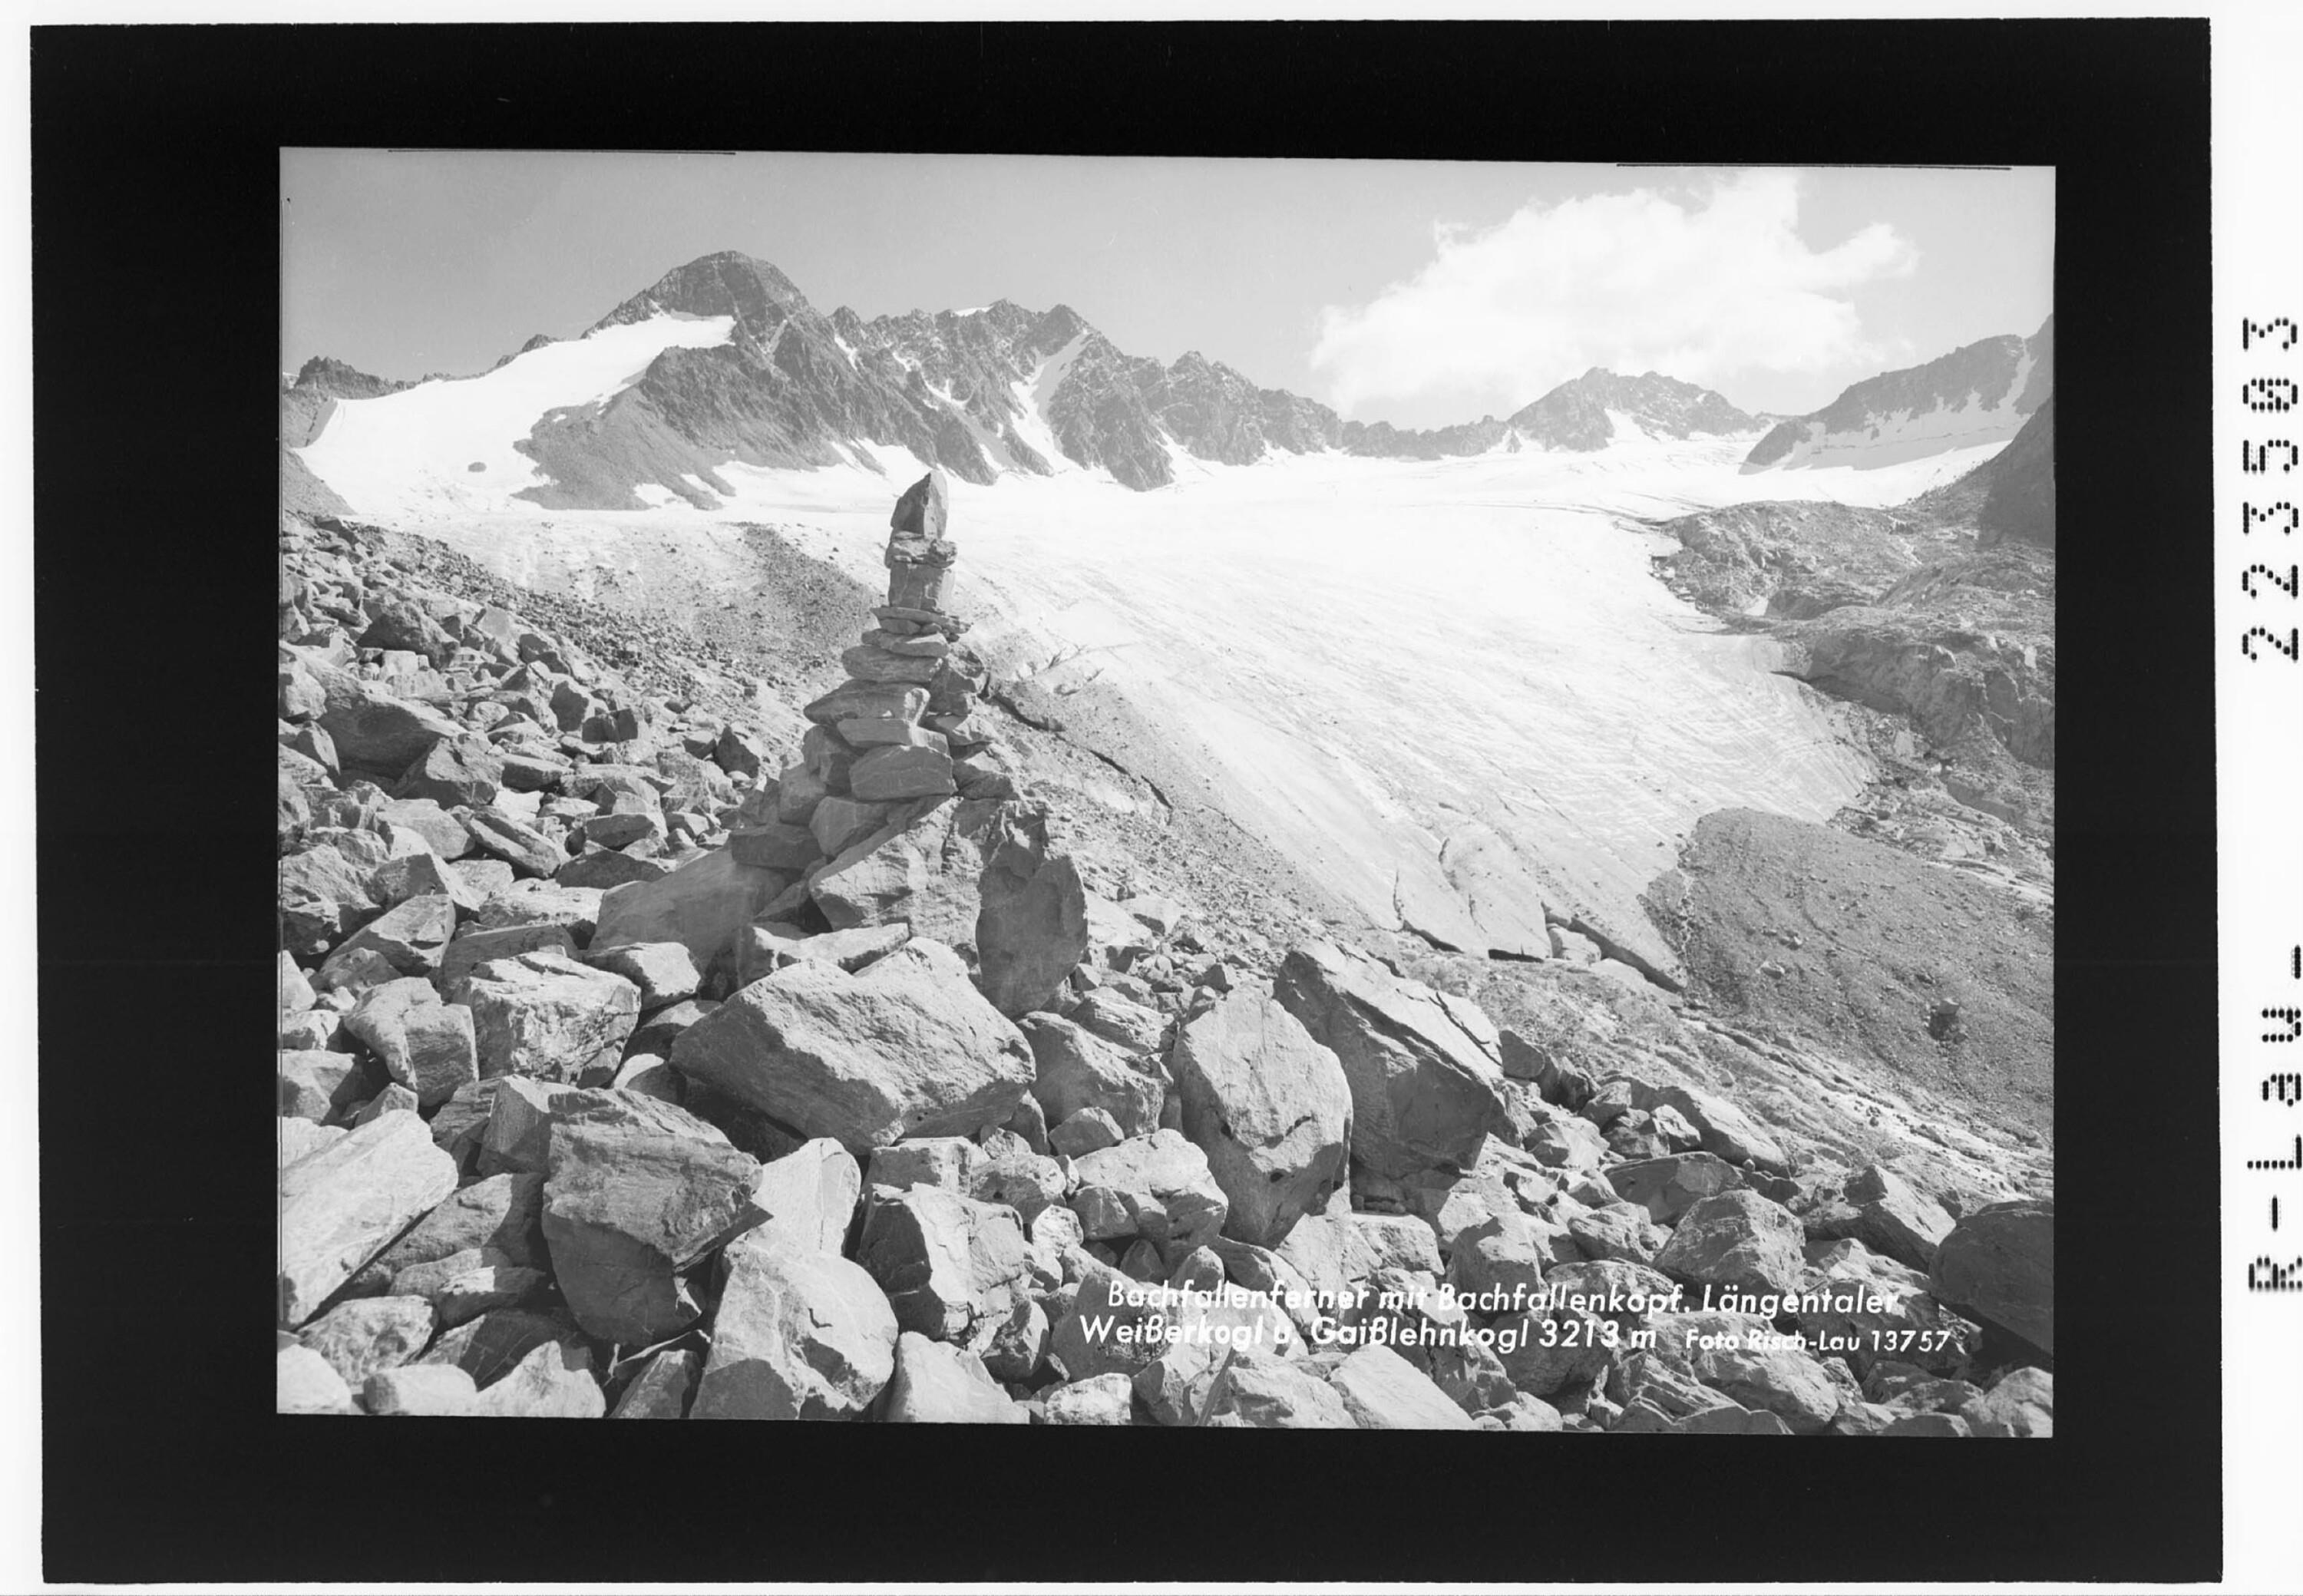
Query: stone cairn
[902,731]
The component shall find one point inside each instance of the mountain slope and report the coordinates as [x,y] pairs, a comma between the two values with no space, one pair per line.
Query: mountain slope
[1980,393]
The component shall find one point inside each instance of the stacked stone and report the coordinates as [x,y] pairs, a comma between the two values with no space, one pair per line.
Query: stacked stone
[903,731]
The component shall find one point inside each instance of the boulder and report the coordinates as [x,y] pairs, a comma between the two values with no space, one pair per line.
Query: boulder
[1998,1264]
[463,1286]
[904,1047]
[419,1391]
[362,1336]
[947,1163]
[1086,1131]
[1260,1391]
[810,1195]
[798,1334]
[662,1387]
[1909,1321]
[939,1384]
[423,876]
[952,1268]
[1617,1230]
[455,770]
[769,948]
[1724,1129]
[298,1137]
[1382,1390]
[639,1191]
[865,700]
[424,1045]
[1133,1028]
[2022,1403]
[704,905]
[1895,1219]
[657,1032]
[1737,1239]
[374,728]
[502,836]
[394,1099]
[491,1346]
[600,868]
[410,938]
[1668,1187]
[1424,1094]
[665,972]
[516,1138]
[1748,1361]
[324,897]
[893,772]
[1074,1070]
[1033,927]
[776,845]
[1158,1186]
[306,1384]
[296,994]
[500,1213]
[315,1086]
[1100,1399]
[426,823]
[1270,1109]
[545,1015]
[340,1203]
[898,863]
[477,947]
[574,909]
[553,1381]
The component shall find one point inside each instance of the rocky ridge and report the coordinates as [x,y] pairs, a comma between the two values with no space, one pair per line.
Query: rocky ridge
[1981,391]
[589,1107]
[999,389]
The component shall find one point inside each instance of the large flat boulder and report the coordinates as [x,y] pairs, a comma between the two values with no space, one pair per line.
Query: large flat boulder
[373,727]
[953,1269]
[935,1383]
[1424,1093]
[905,1047]
[1074,1070]
[500,1213]
[362,1336]
[639,1191]
[1384,1392]
[1998,1264]
[1737,1239]
[810,1195]
[1270,1109]
[799,1334]
[545,1014]
[340,1203]
[704,905]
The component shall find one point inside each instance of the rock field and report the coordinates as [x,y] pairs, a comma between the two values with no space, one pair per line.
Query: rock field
[650,1051]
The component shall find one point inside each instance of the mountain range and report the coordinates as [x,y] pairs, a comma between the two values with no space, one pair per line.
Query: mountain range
[1981,393]
[1006,389]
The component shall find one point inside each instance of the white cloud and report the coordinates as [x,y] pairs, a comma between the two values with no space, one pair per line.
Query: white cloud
[1634,281]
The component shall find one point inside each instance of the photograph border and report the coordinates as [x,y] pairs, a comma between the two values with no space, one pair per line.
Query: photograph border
[155,249]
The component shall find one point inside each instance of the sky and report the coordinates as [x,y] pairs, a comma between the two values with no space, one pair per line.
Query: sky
[1420,293]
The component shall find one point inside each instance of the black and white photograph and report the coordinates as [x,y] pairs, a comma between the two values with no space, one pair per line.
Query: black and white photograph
[1167,792]
[1443,737]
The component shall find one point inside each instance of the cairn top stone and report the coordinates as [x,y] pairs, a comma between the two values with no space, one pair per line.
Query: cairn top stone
[917,527]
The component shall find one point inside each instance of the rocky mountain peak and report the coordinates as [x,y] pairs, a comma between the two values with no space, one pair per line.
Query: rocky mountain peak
[729,284]
[331,378]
